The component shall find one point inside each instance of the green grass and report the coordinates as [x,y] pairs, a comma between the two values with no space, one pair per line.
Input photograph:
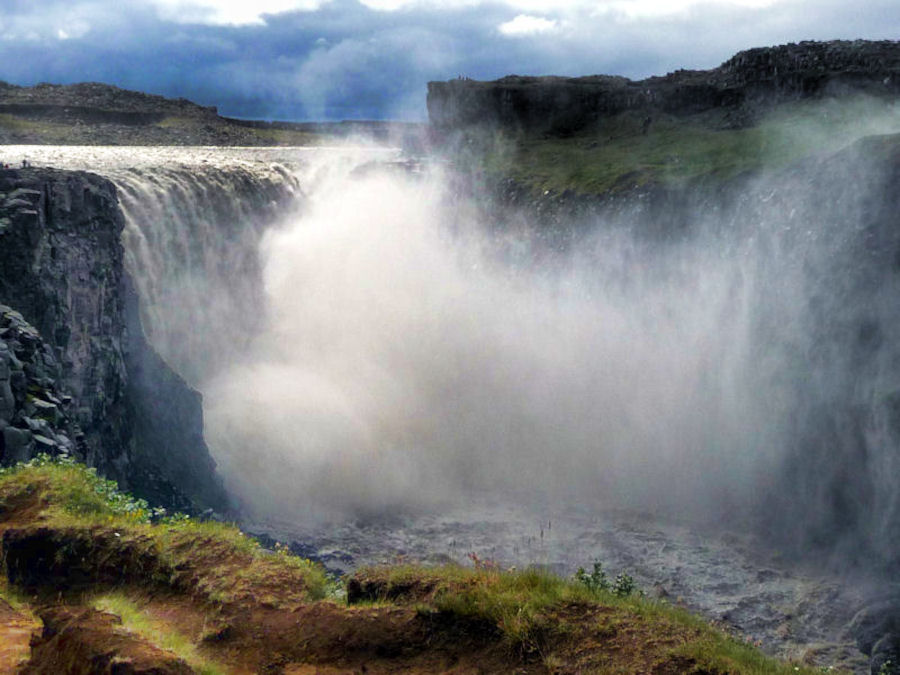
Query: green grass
[534,610]
[19,124]
[517,603]
[74,489]
[616,155]
[249,135]
[156,632]
[14,597]
[17,129]
[176,130]
[217,557]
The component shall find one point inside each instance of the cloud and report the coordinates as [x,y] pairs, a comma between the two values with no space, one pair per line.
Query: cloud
[642,9]
[303,59]
[229,12]
[525,24]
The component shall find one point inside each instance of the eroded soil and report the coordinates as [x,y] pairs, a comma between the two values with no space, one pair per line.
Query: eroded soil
[60,568]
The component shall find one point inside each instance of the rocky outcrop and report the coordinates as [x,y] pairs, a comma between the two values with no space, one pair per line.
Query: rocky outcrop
[62,268]
[35,414]
[752,78]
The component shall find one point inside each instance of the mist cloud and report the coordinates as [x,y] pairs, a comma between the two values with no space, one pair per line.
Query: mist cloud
[405,363]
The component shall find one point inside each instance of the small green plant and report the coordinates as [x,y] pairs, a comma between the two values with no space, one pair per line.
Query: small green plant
[624,585]
[887,668]
[596,580]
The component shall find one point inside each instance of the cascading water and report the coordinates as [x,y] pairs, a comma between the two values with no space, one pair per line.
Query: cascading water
[191,240]
[412,359]
[385,352]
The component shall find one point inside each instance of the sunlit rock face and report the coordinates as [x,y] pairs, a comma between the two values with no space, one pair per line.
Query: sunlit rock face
[33,405]
[61,267]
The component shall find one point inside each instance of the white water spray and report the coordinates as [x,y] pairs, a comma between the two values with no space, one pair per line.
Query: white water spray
[410,359]
[391,351]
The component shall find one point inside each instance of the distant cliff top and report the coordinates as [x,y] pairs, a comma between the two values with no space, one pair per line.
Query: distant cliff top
[92,113]
[101,97]
[750,79]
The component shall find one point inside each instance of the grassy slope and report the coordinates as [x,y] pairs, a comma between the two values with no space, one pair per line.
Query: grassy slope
[618,156]
[224,605]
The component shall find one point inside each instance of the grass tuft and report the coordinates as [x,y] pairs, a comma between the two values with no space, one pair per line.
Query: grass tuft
[539,614]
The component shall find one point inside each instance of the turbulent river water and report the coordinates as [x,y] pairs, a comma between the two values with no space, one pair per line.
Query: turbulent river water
[387,376]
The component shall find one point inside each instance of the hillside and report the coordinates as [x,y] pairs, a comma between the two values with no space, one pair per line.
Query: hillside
[92,113]
[93,586]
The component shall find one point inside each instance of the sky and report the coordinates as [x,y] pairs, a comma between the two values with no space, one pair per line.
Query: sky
[372,59]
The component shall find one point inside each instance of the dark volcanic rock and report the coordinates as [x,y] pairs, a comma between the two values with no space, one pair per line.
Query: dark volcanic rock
[753,78]
[61,266]
[35,415]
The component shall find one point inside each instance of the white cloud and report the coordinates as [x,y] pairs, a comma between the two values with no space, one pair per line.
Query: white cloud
[636,8]
[74,29]
[229,12]
[640,9]
[393,5]
[525,24]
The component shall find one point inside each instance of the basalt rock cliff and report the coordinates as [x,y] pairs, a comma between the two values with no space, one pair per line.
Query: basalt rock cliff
[77,375]
[751,80]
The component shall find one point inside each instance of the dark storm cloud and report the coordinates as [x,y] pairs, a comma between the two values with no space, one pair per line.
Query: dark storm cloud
[346,60]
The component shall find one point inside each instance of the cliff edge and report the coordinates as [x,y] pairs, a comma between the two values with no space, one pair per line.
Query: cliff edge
[108,398]
[749,82]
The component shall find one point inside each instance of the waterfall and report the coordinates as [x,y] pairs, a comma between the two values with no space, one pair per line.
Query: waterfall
[367,341]
[191,239]
[742,368]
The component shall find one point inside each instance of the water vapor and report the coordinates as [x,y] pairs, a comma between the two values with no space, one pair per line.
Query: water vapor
[413,358]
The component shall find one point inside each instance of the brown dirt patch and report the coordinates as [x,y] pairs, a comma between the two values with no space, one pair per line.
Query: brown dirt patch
[16,630]
[82,641]
[326,635]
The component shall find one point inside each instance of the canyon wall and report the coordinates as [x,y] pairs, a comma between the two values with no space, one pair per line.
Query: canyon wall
[77,374]
[750,79]
[62,269]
